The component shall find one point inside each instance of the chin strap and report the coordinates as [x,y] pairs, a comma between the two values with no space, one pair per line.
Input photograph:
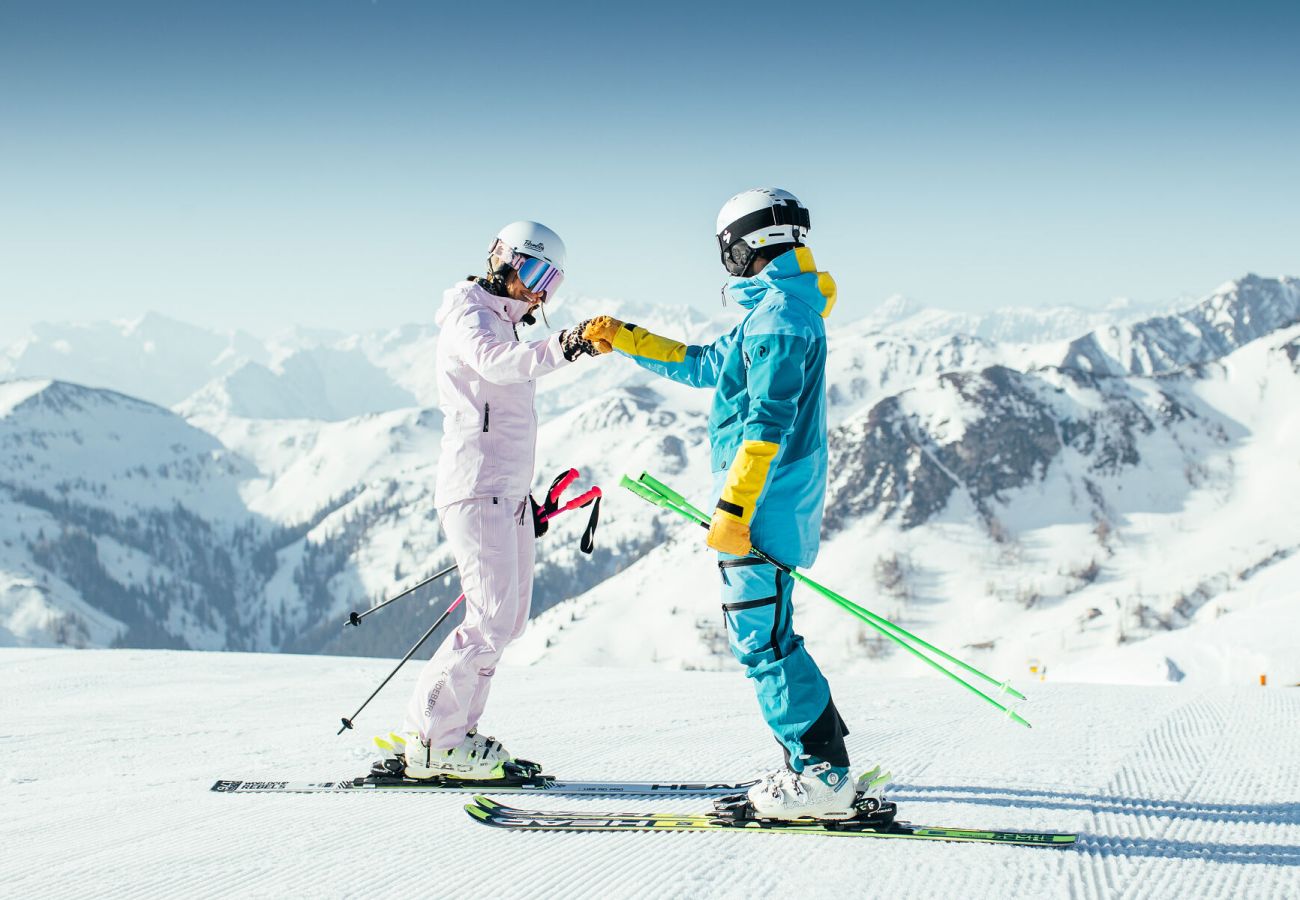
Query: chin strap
[494,282]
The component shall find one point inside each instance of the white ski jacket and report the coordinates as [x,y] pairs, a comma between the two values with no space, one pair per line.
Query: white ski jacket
[486,391]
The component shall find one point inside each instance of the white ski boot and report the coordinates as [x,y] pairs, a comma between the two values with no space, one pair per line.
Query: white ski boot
[821,791]
[476,758]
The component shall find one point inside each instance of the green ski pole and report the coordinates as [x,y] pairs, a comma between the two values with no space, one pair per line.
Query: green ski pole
[659,494]
[863,613]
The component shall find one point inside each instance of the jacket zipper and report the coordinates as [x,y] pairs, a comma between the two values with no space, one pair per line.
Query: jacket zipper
[486,409]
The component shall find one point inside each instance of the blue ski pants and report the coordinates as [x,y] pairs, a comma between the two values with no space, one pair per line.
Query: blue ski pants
[793,695]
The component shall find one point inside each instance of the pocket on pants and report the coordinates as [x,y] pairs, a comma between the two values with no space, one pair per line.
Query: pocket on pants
[752,605]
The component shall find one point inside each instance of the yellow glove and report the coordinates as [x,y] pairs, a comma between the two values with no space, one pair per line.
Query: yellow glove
[728,534]
[600,331]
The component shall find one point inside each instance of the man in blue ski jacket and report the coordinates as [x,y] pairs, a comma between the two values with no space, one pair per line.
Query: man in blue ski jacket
[768,434]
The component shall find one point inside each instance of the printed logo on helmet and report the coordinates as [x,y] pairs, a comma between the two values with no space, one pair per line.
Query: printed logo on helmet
[539,247]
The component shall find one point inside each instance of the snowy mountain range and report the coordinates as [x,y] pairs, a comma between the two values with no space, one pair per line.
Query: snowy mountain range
[1079,486]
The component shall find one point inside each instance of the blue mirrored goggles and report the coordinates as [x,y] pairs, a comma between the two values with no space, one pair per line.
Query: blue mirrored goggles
[537,275]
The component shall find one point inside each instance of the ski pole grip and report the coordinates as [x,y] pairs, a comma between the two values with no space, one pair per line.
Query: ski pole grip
[561,483]
[581,500]
[663,490]
[577,502]
[644,492]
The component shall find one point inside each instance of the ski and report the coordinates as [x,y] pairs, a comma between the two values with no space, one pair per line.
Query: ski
[498,815]
[540,784]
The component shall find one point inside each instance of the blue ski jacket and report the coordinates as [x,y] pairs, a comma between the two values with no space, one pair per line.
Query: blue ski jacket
[767,426]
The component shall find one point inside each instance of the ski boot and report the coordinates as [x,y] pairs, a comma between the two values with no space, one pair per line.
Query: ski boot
[477,761]
[821,794]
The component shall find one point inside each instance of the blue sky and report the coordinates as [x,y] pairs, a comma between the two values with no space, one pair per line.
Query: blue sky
[340,162]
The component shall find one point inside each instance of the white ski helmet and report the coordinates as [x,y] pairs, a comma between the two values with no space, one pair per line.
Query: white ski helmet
[532,239]
[761,217]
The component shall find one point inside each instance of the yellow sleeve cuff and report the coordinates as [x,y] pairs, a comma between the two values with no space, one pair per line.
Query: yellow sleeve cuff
[636,341]
[747,478]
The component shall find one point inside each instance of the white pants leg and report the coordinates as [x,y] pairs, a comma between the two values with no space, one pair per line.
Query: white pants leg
[492,541]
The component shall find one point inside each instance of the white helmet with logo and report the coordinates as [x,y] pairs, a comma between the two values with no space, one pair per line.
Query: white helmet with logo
[532,239]
[757,218]
[534,251]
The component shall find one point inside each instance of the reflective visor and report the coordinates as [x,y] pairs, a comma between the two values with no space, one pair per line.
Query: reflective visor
[536,275]
[539,275]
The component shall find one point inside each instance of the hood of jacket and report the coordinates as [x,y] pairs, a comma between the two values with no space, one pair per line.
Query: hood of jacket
[467,293]
[795,274]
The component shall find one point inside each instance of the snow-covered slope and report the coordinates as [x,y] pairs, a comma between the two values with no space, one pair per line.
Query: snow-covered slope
[121,522]
[1174,792]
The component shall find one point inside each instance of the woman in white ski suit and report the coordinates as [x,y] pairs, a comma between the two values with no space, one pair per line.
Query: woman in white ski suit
[486,391]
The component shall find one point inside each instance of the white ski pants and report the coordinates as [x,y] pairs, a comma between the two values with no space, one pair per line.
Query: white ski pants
[493,543]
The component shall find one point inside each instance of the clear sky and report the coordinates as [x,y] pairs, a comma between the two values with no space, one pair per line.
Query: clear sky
[340,162]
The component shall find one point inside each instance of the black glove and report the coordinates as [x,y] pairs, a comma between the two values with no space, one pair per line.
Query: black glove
[539,524]
[574,344]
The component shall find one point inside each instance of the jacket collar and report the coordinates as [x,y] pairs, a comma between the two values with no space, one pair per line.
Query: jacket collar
[793,273]
[509,309]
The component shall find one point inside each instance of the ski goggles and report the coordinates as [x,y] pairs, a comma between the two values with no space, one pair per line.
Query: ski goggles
[537,275]
[737,256]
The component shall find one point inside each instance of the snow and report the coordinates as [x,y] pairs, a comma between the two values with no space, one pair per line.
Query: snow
[306,464]
[15,393]
[108,756]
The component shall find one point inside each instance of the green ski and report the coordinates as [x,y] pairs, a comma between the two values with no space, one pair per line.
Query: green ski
[498,815]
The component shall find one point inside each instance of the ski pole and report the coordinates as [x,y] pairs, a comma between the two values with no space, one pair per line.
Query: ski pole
[649,489]
[686,508]
[347,721]
[354,618]
[862,613]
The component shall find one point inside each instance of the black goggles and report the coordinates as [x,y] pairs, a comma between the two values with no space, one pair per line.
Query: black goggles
[737,257]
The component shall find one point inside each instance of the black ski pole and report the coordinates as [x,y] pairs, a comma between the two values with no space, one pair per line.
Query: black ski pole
[354,617]
[347,722]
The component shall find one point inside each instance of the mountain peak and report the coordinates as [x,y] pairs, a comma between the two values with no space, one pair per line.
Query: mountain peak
[897,307]
[14,394]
